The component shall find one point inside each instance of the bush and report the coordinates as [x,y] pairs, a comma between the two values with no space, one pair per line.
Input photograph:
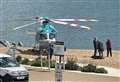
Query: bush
[71,65]
[101,70]
[92,68]
[52,64]
[45,62]
[25,61]
[19,59]
[89,68]
[80,68]
[36,62]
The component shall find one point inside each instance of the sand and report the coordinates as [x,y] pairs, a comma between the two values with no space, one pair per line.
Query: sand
[80,56]
[3,49]
[84,56]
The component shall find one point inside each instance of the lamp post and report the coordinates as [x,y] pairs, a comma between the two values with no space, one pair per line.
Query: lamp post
[13,51]
[49,52]
[41,56]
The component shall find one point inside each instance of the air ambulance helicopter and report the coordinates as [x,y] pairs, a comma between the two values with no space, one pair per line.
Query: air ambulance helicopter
[46,33]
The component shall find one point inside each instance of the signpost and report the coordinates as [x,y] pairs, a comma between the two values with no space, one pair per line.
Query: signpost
[58,72]
[58,51]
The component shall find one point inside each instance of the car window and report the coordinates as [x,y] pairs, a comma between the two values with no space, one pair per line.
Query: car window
[8,62]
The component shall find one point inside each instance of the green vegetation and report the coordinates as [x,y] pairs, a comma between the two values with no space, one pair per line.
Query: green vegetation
[93,68]
[88,68]
[101,70]
[25,61]
[35,63]
[19,59]
[52,64]
[71,64]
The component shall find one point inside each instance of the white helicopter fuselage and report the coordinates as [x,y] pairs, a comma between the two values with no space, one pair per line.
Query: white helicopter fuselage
[44,40]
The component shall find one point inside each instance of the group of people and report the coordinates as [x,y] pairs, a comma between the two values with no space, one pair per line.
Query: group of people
[99,47]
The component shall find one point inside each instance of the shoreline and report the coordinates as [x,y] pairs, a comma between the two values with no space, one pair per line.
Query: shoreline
[89,49]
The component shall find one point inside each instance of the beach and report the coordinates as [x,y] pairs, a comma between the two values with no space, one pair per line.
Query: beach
[79,55]
[84,56]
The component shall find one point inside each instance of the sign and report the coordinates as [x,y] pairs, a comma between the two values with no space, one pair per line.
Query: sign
[43,44]
[58,48]
[58,72]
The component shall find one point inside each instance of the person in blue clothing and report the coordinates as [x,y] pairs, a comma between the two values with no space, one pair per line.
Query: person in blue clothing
[95,46]
[50,51]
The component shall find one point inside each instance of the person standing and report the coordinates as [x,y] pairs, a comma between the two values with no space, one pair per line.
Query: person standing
[109,47]
[51,51]
[95,46]
[100,49]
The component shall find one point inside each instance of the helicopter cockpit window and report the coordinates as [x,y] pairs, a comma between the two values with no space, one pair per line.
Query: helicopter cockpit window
[43,36]
[51,36]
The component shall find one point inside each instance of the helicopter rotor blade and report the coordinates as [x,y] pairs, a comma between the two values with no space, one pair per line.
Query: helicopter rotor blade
[19,27]
[26,20]
[81,26]
[71,24]
[85,27]
[59,22]
[83,20]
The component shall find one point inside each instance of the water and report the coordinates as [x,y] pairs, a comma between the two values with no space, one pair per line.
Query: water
[107,11]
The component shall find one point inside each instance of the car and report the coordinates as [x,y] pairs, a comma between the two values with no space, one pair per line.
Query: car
[11,70]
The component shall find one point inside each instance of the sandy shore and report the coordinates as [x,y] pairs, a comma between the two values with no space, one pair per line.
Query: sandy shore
[81,56]
[84,56]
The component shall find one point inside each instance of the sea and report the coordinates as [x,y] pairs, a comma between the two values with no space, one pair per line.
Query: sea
[14,13]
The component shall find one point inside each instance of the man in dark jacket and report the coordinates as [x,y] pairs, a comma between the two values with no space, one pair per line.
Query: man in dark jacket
[95,46]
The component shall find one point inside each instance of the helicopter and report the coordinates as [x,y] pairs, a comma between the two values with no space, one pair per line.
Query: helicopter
[46,33]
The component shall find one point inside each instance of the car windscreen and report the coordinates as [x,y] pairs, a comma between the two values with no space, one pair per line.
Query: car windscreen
[8,62]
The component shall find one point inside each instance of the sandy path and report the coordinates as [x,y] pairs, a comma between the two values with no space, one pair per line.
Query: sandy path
[70,77]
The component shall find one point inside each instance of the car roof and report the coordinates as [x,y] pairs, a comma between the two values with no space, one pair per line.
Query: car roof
[4,55]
